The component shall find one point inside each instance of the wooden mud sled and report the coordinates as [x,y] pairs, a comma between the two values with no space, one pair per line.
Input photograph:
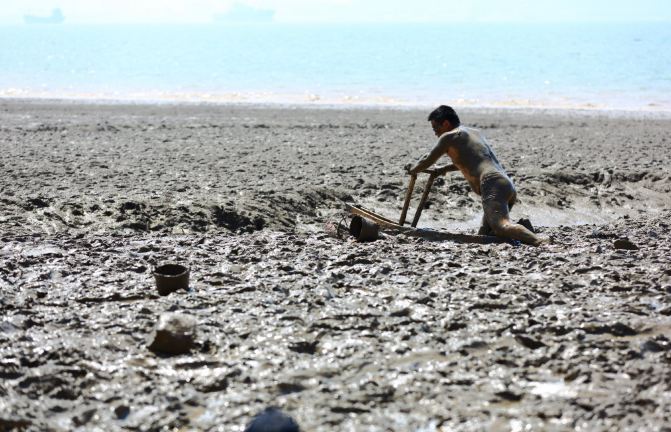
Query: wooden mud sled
[401,226]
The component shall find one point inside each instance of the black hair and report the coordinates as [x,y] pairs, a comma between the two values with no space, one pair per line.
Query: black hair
[443,113]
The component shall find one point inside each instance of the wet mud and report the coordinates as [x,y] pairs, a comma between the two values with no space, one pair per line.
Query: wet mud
[397,334]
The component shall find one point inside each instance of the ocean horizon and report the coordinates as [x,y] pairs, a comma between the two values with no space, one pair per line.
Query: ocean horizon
[611,66]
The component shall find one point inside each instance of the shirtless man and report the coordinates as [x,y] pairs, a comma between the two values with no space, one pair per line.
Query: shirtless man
[471,154]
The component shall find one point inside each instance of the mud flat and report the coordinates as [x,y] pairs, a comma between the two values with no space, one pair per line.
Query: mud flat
[399,334]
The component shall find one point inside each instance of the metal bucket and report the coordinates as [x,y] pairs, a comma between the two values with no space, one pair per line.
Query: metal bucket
[170,278]
[363,229]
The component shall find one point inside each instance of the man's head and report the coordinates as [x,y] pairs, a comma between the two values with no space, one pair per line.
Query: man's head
[443,119]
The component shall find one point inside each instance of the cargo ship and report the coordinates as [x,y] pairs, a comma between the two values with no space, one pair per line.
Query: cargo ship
[241,13]
[56,17]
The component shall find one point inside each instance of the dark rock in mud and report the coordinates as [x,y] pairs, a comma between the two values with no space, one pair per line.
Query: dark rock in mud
[290,387]
[616,329]
[7,424]
[402,312]
[625,244]
[214,385]
[304,347]
[84,417]
[510,396]
[272,420]
[529,342]
[175,334]
[10,370]
[121,412]
[659,344]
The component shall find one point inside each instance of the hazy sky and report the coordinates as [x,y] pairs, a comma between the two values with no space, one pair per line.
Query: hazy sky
[190,11]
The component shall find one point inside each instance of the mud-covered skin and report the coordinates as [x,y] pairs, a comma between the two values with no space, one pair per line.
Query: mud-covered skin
[468,150]
[399,334]
[473,156]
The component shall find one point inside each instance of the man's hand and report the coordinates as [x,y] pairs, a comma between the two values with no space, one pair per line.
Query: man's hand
[407,167]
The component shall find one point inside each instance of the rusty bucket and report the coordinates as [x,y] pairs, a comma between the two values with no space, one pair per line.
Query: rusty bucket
[170,278]
[363,229]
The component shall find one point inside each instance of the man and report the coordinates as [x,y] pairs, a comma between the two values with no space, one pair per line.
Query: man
[471,154]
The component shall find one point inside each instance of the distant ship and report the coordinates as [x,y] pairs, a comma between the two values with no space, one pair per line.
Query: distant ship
[56,17]
[241,13]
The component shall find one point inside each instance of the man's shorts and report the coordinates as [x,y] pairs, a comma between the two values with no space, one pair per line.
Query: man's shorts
[498,197]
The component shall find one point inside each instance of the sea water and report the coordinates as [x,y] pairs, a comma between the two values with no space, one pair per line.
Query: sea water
[612,66]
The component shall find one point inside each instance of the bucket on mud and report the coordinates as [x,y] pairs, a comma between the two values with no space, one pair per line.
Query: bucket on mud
[363,229]
[170,278]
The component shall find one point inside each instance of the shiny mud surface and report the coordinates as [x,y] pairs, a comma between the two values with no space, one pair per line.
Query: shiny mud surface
[398,334]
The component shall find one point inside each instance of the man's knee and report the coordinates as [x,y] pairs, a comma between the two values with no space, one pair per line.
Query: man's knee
[500,228]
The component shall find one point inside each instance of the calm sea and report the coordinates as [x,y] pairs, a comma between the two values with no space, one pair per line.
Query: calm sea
[614,66]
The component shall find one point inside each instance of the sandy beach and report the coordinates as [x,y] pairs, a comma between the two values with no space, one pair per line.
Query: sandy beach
[399,334]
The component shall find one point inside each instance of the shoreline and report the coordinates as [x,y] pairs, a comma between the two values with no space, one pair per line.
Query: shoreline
[653,113]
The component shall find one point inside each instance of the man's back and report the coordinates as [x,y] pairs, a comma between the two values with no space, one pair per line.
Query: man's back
[471,153]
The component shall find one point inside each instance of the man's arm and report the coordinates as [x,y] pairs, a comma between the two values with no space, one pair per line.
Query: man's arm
[445,169]
[438,150]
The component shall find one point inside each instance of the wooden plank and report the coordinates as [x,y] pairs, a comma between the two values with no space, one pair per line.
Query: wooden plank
[454,237]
